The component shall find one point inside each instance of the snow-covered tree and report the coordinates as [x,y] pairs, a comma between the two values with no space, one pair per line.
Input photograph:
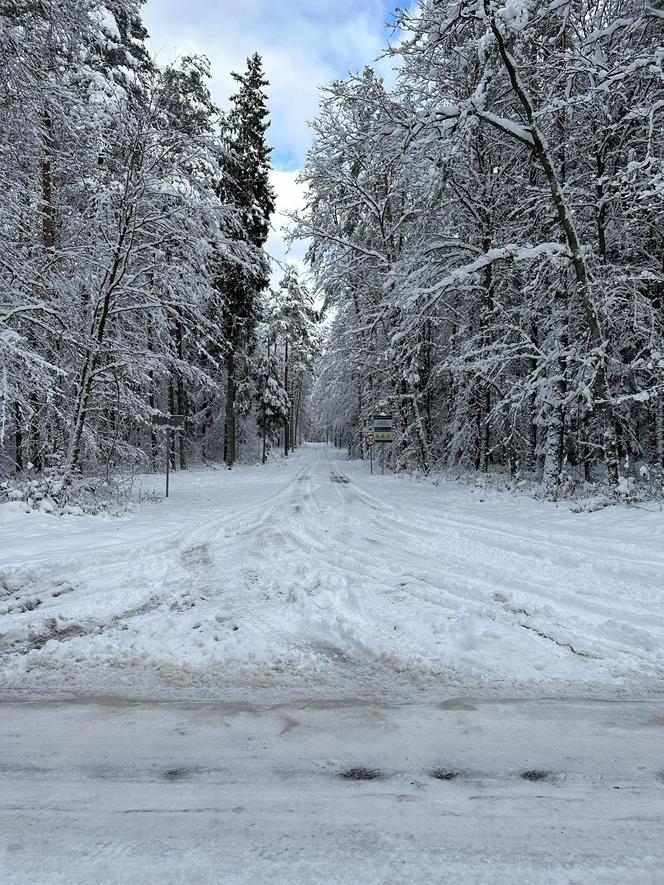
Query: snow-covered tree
[294,330]
[483,236]
[245,185]
[113,228]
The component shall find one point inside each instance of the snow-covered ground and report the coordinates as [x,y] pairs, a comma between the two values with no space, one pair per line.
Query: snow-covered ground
[183,688]
[109,793]
[311,577]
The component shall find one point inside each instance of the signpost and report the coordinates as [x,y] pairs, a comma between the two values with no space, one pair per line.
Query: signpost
[370,442]
[168,423]
[383,434]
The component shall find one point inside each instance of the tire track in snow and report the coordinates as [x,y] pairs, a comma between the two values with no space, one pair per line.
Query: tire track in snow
[147,561]
[556,627]
[323,576]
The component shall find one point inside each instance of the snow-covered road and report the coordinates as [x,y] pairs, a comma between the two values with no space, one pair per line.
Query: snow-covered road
[184,689]
[311,576]
[520,793]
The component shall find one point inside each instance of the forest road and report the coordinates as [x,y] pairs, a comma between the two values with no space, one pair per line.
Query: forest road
[308,674]
[309,575]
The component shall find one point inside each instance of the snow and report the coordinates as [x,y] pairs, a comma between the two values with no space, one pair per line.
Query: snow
[510,252]
[160,794]
[309,570]
[184,687]
[106,21]
[522,133]
[514,14]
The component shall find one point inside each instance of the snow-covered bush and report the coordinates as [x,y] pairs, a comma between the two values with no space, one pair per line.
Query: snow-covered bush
[61,496]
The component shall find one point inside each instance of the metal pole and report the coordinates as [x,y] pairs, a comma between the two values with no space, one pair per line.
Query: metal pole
[371,458]
[382,458]
[168,458]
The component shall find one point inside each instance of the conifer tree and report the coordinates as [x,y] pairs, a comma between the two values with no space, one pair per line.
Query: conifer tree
[245,184]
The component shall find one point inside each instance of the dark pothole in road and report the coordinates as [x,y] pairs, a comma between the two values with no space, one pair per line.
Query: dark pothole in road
[536,774]
[361,774]
[445,774]
[177,774]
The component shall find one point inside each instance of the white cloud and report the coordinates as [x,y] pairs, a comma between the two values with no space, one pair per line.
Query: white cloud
[304,44]
[290,192]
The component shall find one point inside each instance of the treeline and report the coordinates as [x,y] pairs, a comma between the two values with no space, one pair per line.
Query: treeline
[490,234]
[133,272]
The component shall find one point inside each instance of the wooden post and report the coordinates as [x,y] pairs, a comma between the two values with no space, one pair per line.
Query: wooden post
[168,458]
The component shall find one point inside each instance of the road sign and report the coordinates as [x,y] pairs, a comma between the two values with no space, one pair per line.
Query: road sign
[382,429]
[369,440]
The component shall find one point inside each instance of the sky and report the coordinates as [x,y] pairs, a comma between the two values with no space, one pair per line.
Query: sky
[304,44]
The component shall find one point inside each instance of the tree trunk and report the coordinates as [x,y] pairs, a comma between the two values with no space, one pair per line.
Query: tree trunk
[231,392]
[205,429]
[611,455]
[553,449]
[181,395]
[172,435]
[18,437]
[532,409]
[659,430]
[264,459]
[154,447]
[48,220]
[420,431]
[484,428]
[297,414]
[287,419]
[554,446]
[426,380]
[35,434]
[97,333]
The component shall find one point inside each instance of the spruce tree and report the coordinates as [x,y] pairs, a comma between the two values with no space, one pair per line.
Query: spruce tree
[245,184]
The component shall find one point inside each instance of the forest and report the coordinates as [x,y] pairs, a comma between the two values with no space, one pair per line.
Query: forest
[489,235]
[485,255]
[134,283]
